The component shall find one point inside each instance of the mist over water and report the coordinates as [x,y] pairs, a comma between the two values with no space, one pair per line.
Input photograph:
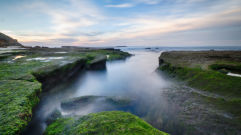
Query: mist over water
[135,78]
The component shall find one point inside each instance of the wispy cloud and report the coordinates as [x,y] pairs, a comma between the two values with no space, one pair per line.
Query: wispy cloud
[79,15]
[150,2]
[149,27]
[133,3]
[87,22]
[125,5]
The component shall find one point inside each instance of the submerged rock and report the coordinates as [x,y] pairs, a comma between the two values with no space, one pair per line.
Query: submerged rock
[53,116]
[118,101]
[104,123]
[80,102]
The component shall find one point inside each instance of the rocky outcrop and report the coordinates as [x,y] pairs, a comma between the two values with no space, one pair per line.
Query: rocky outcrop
[6,41]
[206,71]
[104,123]
[99,63]
[201,69]
[21,79]
[51,76]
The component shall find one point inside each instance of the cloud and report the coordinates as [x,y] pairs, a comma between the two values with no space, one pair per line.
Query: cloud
[64,21]
[125,5]
[134,3]
[139,28]
[83,22]
[149,2]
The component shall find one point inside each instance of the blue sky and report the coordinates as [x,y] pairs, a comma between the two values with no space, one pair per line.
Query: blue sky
[122,22]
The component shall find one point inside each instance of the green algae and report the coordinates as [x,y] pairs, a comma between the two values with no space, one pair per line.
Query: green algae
[227,65]
[228,87]
[20,86]
[17,98]
[207,80]
[103,123]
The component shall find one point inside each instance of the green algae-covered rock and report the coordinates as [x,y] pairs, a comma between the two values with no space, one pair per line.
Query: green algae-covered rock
[25,72]
[17,98]
[103,123]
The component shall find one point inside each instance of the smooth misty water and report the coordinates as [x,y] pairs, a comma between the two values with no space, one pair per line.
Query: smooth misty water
[135,78]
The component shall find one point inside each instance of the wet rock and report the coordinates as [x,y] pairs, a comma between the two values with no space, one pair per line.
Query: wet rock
[223,70]
[98,63]
[105,123]
[53,116]
[80,102]
[75,103]
[118,101]
[23,79]
[161,61]
[215,107]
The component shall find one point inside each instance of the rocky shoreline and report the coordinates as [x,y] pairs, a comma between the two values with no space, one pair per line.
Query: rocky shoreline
[25,72]
[204,69]
[216,95]
[106,123]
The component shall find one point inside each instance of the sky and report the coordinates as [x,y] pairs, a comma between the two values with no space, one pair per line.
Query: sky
[122,22]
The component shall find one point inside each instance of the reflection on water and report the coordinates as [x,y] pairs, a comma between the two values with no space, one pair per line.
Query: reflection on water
[135,79]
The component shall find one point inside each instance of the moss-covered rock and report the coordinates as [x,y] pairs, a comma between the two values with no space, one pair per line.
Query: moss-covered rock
[17,98]
[207,75]
[113,54]
[201,70]
[103,123]
[22,73]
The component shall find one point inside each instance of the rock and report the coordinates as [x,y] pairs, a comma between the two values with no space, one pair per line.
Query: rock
[118,101]
[104,123]
[6,41]
[98,63]
[54,116]
[223,70]
[161,61]
[79,102]
[75,103]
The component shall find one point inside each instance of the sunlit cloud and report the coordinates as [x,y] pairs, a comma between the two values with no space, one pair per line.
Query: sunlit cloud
[87,22]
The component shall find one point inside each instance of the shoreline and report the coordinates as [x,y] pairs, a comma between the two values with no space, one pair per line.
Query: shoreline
[206,71]
[23,79]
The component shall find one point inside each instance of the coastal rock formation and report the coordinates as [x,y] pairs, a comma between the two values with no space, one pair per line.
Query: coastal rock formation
[206,71]
[24,73]
[105,123]
[6,41]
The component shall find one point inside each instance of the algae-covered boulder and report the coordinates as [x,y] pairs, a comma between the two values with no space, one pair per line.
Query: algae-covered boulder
[103,123]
